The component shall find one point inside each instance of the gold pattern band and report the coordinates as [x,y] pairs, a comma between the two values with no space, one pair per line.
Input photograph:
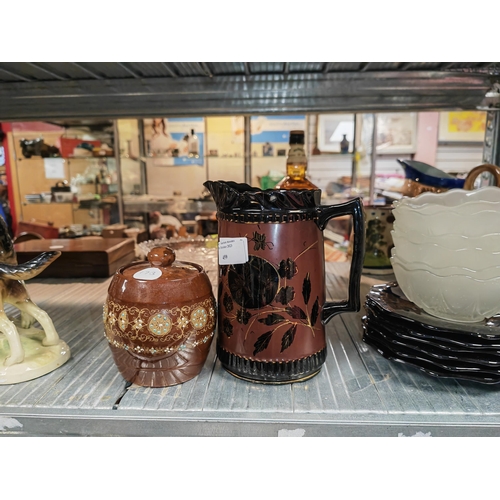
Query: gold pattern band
[158,326]
[159,350]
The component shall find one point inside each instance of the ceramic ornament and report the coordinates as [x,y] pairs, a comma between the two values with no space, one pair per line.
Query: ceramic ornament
[26,352]
[159,319]
[272,291]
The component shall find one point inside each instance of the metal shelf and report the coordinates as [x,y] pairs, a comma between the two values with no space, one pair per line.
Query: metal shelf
[357,393]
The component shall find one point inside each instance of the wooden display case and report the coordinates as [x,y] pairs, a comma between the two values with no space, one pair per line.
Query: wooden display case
[80,257]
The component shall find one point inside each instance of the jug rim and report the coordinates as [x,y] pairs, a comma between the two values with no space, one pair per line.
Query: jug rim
[240,198]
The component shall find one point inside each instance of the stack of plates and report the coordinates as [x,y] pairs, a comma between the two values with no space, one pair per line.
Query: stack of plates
[402,331]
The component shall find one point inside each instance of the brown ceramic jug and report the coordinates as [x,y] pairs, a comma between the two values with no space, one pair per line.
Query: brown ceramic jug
[159,319]
[423,178]
[272,302]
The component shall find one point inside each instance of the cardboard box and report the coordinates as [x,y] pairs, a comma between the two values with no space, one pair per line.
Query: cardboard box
[93,257]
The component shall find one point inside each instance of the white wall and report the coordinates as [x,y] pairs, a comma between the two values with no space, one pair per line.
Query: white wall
[459,158]
[323,169]
[186,181]
[226,169]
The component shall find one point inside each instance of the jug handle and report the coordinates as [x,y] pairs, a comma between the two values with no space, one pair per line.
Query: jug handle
[353,303]
[474,173]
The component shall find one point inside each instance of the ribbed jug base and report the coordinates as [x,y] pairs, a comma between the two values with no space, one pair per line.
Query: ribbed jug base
[262,372]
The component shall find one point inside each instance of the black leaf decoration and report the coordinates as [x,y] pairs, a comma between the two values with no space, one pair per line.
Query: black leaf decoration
[296,312]
[272,319]
[306,288]
[228,302]
[223,270]
[315,312]
[287,268]
[219,291]
[243,316]
[227,327]
[285,295]
[260,242]
[262,342]
[287,339]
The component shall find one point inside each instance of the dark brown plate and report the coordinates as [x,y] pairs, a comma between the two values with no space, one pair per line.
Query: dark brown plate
[389,303]
[428,367]
[452,360]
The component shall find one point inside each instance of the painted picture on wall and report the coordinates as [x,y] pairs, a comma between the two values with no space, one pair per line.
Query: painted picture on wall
[396,133]
[462,126]
[237,129]
[331,131]
[269,134]
[175,141]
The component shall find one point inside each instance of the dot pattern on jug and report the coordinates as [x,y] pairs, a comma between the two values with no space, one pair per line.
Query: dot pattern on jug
[160,324]
[162,350]
[199,318]
[183,322]
[137,324]
[123,320]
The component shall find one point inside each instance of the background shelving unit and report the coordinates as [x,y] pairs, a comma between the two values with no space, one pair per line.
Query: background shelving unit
[97,196]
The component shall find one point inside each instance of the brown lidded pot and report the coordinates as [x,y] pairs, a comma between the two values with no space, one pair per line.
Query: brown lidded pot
[159,319]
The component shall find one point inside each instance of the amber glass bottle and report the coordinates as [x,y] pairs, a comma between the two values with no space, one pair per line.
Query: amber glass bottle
[296,164]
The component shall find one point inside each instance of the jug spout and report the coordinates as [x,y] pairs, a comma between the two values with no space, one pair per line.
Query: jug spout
[226,192]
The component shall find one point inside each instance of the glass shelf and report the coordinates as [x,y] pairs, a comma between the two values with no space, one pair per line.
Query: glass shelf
[38,158]
[166,157]
[133,158]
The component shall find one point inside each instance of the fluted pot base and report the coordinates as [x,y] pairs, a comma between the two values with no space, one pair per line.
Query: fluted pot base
[262,372]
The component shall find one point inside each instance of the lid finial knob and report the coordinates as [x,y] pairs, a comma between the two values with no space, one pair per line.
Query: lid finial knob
[161,256]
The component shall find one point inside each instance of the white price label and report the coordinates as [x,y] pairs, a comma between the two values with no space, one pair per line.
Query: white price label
[233,251]
[152,273]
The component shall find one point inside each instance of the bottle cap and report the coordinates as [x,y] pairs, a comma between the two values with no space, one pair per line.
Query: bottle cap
[297,137]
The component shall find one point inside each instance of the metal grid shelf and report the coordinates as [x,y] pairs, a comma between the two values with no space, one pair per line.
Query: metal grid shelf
[357,392]
[67,91]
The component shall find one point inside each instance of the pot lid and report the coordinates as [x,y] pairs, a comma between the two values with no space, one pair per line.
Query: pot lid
[160,282]
[162,266]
